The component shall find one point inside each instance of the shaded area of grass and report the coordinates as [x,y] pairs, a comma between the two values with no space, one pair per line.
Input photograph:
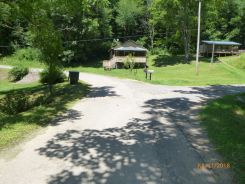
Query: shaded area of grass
[90,63]
[15,127]
[166,60]
[224,120]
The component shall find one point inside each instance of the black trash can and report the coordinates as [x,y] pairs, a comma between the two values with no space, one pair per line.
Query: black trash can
[74,77]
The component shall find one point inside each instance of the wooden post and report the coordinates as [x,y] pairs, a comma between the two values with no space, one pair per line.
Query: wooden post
[212,60]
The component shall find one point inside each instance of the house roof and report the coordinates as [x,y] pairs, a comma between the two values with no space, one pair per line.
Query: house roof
[129,46]
[221,43]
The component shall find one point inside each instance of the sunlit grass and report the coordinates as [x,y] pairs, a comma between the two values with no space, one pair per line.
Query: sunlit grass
[12,61]
[224,120]
[168,70]
[178,73]
[236,61]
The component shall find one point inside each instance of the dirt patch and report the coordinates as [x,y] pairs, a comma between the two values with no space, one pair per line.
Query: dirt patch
[32,76]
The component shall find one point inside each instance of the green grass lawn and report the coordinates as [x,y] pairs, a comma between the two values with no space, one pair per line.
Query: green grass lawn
[170,70]
[13,128]
[224,120]
[236,62]
[6,85]
[13,61]
[173,71]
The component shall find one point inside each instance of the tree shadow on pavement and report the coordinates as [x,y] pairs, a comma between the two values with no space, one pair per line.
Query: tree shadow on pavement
[183,113]
[69,115]
[178,112]
[143,151]
[213,91]
[114,155]
[163,148]
[105,91]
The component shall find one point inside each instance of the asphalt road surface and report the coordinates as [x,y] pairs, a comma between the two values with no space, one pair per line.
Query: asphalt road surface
[124,132]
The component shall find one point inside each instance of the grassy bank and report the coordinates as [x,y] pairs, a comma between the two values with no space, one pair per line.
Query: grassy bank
[224,120]
[13,128]
[171,70]
[13,61]
[6,85]
[236,62]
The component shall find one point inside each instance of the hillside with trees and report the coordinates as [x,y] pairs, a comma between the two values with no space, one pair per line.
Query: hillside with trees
[76,25]
[75,101]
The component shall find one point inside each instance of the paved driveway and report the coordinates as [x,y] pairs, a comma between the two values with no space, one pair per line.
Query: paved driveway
[124,132]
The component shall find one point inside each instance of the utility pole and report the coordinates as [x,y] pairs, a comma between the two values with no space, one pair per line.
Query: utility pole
[198,36]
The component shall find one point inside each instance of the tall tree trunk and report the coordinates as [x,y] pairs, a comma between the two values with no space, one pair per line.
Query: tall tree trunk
[152,34]
[185,31]
[187,46]
[50,87]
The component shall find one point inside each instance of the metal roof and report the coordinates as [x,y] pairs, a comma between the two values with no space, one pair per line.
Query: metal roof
[129,46]
[130,49]
[221,43]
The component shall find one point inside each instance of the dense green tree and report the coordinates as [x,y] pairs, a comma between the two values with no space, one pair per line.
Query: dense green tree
[178,20]
[222,20]
[79,24]
[10,27]
[44,36]
[129,12]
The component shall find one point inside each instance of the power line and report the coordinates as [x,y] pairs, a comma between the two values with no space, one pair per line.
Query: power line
[120,37]
[113,38]
[106,38]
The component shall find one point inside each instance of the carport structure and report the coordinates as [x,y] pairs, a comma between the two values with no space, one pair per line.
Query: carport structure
[219,48]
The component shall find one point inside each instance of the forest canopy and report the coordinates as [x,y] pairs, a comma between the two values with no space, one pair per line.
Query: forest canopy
[86,29]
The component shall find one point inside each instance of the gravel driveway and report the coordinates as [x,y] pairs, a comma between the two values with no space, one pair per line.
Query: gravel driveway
[124,132]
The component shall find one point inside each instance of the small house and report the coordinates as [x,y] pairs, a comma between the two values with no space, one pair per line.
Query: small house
[219,48]
[120,53]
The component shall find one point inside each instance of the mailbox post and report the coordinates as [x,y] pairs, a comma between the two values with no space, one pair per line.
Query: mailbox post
[150,72]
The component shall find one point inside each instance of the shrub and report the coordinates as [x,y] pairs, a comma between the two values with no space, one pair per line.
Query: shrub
[126,64]
[41,100]
[17,73]
[129,63]
[52,76]
[29,54]
[14,103]
[17,102]
[160,51]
